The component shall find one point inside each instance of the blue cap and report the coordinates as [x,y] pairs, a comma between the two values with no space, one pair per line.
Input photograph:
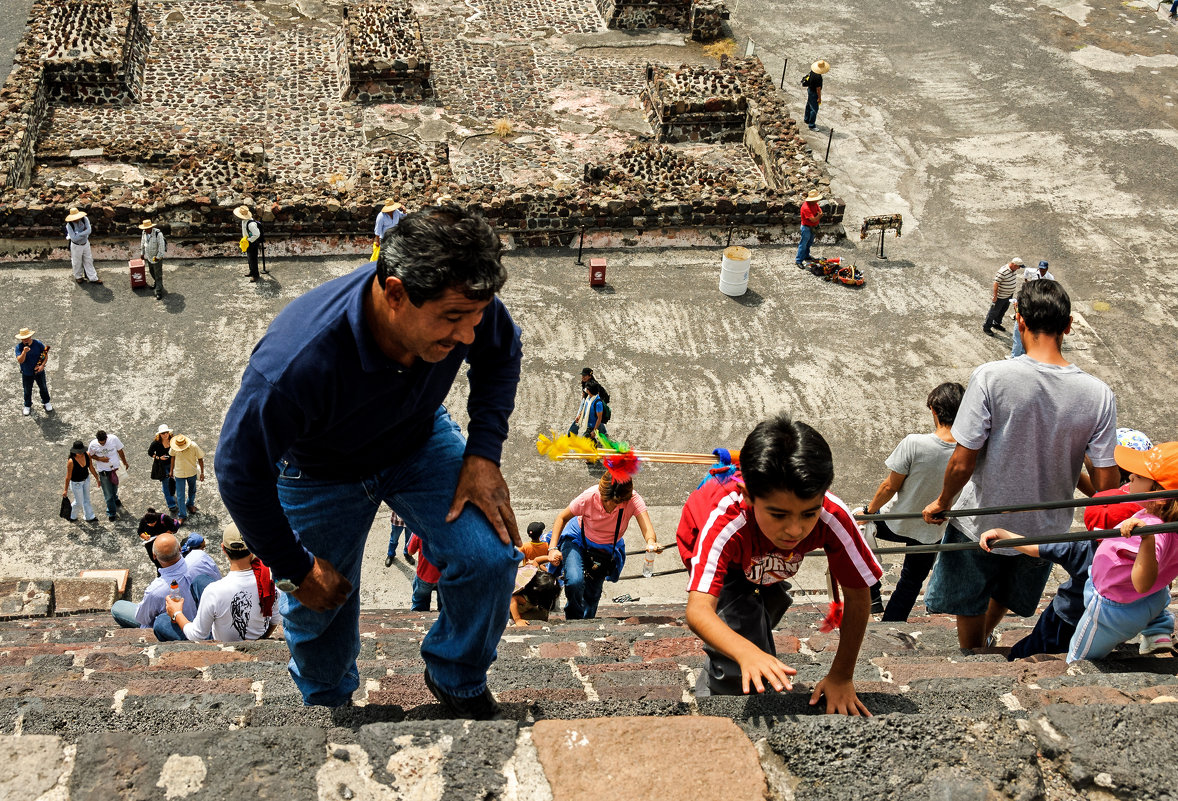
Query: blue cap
[1042,265]
[194,541]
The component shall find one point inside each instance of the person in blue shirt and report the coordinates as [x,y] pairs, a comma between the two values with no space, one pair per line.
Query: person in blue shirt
[31,355]
[340,409]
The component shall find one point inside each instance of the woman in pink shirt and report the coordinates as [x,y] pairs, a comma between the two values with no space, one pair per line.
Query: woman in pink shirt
[1129,583]
[590,541]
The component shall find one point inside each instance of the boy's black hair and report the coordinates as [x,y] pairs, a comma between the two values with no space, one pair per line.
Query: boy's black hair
[535,531]
[542,591]
[781,454]
[1045,307]
[945,400]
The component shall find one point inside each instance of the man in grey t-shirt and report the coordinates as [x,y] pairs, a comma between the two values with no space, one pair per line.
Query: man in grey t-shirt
[1022,432]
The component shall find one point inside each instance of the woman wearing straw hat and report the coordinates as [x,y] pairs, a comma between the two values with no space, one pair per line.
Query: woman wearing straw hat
[251,231]
[813,84]
[153,245]
[390,215]
[77,231]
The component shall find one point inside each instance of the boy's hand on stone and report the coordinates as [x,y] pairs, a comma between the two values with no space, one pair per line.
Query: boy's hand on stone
[840,698]
[762,666]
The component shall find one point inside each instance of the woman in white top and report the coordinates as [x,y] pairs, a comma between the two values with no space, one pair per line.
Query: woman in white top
[917,468]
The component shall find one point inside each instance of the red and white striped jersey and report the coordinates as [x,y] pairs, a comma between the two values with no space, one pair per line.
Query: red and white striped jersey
[717,530]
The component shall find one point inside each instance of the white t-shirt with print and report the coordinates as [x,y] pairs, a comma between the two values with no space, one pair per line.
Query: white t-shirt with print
[230,610]
[110,449]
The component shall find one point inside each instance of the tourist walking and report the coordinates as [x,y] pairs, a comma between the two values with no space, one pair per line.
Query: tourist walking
[389,217]
[251,232]
[813,83]
[153,245]
[78,469]
[1000,295]
[188,463]
[917,467]
[107,451]
[77,231]
[1029,274]
[161,464]
[1014,447]
[340,409]
[32,356]
[811,215]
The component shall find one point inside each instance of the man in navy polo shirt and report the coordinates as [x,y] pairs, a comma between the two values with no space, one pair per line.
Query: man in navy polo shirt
[340,408]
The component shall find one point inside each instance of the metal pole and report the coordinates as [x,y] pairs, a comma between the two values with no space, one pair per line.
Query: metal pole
[581,245]
[881,233]
[783,67]
[1070,503]
[828,138]
[730,236]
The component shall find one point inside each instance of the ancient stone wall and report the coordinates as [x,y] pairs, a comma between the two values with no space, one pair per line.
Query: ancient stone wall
[706,20]
[387,59]
[94,52]
[694,104]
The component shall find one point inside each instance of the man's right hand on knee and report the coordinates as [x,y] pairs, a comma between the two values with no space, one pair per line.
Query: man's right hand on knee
[324,588]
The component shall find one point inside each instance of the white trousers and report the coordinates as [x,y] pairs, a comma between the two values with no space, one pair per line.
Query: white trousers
[81,259]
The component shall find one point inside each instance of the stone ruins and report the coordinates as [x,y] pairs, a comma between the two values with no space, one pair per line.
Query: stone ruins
[552,115]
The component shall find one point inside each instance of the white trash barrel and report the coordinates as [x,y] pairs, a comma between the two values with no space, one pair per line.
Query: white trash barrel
[734,271]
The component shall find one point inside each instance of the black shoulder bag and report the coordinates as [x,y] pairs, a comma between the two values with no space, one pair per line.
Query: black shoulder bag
[598,564]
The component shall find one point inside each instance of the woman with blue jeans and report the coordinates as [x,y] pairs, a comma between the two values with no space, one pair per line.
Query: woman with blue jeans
[78,470]
[590,543]
[161,465]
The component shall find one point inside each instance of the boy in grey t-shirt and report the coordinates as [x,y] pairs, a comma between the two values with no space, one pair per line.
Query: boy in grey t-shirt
[1022,432]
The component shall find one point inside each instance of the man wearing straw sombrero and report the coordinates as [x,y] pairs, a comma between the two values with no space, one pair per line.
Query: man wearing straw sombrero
[77,231]
[340,409]
[391,213]
[154,246]
[251,232]
[811,214]
[31,355]
[813,84]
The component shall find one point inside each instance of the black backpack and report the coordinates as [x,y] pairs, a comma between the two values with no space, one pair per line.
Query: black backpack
[806,79]
[606,414]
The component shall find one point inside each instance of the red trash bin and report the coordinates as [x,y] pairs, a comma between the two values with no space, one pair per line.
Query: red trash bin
[138,273]
[597,272]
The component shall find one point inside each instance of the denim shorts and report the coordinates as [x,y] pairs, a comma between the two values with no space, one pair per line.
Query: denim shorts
[963,582]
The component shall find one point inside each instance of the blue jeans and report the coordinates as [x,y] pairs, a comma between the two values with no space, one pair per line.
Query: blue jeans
[1174,8]
[81,490]
[185,495]
[1106,624]
[582,594]
[422,590]
[124,614]
[811,115]
[333,519]
[804,244]
[110,492]
[166,489]
[1016,345]
[913,572]
[165,628]
[42,387]
[395,533]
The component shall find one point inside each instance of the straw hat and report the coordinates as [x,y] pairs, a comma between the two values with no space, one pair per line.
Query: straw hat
[74,215]
[242,213]
[25,333]
[145,225]
[814,196]
[180,442]
[821,66]
[163,429]
[390,206]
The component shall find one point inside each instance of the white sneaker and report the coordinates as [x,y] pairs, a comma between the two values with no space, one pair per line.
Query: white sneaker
[28,410]
[1160,642]
[48,407]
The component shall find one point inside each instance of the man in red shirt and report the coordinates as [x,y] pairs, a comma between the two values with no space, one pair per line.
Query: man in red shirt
[744,535]
[811,215]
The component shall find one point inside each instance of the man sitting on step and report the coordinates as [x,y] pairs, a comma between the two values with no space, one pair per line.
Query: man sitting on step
[173,570]
[238,607]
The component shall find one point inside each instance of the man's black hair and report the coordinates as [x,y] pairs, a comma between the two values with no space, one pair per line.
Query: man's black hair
[440,248]
[100,436]
[781,454]
[945,400]
[1045,307]
[593,387]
